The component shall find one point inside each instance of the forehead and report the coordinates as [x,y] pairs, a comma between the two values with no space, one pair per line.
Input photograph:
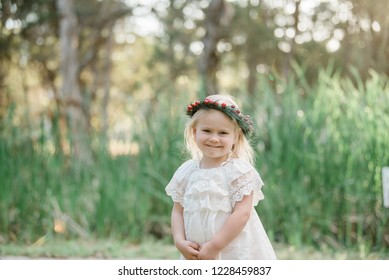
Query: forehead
[215,119]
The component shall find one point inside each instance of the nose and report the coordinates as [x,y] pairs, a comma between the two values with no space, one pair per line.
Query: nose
[214,138]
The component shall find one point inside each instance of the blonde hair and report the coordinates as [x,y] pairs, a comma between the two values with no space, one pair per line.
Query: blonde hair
[242,148]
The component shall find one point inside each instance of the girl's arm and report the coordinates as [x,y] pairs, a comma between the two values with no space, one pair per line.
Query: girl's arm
[231,229]
[188,249]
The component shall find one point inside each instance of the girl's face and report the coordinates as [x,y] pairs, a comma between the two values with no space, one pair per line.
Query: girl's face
[215,136]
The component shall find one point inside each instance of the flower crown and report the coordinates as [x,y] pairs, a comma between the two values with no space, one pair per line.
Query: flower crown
[244,122]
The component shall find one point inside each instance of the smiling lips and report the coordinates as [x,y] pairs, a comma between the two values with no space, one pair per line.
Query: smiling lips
[214,147]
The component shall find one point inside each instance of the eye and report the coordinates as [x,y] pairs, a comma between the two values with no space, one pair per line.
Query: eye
[206,130]
[224,133]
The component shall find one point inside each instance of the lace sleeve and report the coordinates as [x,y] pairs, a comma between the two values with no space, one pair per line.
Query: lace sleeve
[176,186]
[244,185]
[176,190]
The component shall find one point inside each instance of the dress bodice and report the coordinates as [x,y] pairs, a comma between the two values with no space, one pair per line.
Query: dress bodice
[216,189]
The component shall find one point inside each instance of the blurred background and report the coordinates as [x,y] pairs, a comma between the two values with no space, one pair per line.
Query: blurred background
[92,111]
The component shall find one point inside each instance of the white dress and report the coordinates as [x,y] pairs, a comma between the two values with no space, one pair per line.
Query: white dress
[208,197]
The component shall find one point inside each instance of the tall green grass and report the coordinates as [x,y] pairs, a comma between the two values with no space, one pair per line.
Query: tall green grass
[120,196]
[324,148]
[320,150]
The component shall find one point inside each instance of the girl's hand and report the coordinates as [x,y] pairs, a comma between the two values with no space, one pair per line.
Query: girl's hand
[208,252]
[188,249]
[233,226]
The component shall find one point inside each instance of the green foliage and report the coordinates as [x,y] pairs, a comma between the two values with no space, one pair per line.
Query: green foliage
[320,153]
[324,151]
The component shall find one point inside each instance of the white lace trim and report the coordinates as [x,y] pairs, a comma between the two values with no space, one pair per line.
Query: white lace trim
[207,194]
[209,202]
[177,185]
[212,193]
[176,190]
[245,185]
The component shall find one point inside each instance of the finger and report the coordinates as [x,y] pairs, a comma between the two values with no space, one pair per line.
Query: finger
[194,245]
[193,257]
[195,253]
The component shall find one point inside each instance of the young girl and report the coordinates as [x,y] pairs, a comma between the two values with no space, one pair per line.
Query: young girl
[215,192]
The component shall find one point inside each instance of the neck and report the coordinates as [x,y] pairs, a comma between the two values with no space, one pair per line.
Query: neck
[212,162]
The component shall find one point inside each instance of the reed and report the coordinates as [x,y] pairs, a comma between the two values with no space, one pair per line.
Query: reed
[320,150]
[324,148]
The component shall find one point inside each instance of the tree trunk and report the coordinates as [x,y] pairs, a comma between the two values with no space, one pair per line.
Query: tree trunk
[252,63]
[383,48]
[209,59]
[107,87]
[71,95]
[291,55]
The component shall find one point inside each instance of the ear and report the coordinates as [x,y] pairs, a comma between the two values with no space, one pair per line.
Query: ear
[236,140]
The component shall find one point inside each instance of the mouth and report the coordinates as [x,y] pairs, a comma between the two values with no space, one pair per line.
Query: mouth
[214,147]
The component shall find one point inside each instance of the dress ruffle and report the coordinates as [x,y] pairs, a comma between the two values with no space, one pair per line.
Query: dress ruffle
[206,194]
[244,180]
[177,185]
[196,188]
[246,184]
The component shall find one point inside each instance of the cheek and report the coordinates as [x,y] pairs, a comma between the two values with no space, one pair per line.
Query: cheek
[196,135]
[228,141]
[233,138]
